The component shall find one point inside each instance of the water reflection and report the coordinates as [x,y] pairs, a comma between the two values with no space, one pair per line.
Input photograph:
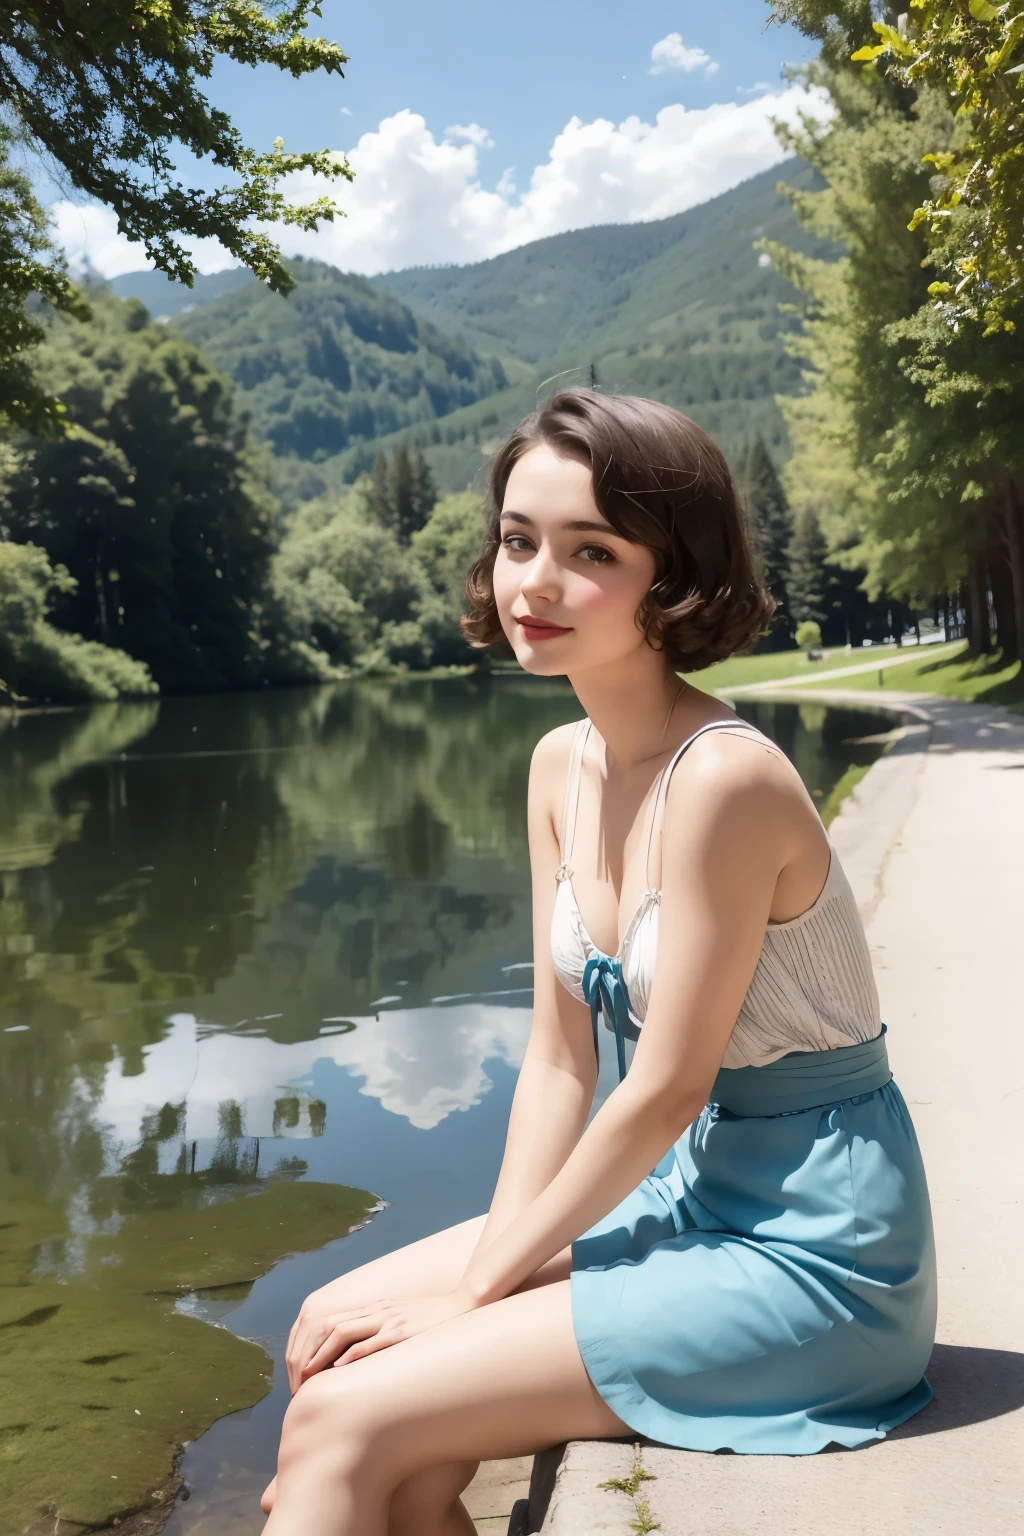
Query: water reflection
[275,937]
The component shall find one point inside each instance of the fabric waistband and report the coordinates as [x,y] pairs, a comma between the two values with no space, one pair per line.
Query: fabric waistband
[803,1080]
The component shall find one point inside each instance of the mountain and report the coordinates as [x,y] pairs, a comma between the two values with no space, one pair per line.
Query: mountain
[613,283]
[164,298]
[683,309]
[336,363]
[448,359]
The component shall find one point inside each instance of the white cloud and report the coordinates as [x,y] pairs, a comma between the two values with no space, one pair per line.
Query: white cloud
[472,133]
[672,53]
[418,200]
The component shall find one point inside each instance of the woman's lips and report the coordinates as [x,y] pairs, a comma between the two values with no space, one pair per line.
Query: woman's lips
[539,629]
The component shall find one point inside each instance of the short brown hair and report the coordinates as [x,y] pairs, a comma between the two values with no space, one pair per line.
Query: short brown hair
[659,480]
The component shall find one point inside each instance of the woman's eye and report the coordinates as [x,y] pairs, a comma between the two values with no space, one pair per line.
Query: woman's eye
[515,542]
[597,554]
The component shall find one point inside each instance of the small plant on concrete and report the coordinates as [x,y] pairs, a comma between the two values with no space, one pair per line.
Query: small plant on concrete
[643,1521]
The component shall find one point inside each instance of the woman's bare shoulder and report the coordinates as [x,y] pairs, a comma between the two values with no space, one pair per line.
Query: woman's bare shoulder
[549,767]
[551,754]
[729,772]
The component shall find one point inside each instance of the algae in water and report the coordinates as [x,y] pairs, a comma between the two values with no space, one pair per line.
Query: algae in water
[100,1378]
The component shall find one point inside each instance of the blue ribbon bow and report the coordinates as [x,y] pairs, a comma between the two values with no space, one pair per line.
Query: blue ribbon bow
[605,990]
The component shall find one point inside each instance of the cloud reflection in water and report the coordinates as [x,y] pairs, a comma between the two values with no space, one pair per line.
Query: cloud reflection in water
[420,1063]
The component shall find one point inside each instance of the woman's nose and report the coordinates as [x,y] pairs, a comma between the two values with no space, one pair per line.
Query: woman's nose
[542,578]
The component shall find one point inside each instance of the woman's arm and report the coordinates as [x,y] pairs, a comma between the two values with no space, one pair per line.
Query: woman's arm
[735,817]
[559,1074]
[732,819]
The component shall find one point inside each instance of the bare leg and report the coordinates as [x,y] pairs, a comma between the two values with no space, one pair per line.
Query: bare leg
[428,1503]
[502,1381]
[429,1267]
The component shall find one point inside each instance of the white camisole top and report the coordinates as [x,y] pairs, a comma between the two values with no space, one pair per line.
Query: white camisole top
[813,989]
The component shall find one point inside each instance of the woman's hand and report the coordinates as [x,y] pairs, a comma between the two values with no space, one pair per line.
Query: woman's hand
[328,1338]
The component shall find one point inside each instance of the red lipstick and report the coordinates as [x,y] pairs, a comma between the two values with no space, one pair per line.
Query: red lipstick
[540,629]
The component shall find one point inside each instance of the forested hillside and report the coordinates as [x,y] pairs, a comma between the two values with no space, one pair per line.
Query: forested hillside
[446,359]
[683,309]
[611,283]
[337,362]
[157,542]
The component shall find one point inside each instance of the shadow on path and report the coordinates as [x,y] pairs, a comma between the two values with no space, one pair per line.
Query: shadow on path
[970,1386]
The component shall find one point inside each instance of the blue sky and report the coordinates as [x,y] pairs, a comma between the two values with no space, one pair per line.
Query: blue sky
[519,70]
[572,112]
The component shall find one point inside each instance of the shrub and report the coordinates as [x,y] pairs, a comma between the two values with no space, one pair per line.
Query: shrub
[808,636]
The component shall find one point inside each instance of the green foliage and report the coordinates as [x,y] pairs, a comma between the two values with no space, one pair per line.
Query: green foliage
[444,549]
[643,1520]
[335,363]
[401,493]
[113,93]
[41,663]
[909,443]
[154,504]
[807,555]
[365,599]
[771,525]
[808,635]
[28,269]
[974,213]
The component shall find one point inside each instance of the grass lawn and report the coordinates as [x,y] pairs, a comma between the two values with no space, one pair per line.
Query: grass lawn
[985,680]
[781,665]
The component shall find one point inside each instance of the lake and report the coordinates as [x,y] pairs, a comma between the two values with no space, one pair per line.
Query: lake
[265,968]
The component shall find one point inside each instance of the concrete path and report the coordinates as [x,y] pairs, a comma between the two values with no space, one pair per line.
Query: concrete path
[933,839]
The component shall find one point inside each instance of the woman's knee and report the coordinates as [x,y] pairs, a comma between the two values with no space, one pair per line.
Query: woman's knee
[333,1418]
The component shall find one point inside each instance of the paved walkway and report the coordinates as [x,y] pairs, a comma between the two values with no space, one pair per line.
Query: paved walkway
[933,839]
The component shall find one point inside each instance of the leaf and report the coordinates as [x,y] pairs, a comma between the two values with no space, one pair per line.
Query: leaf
[864,55]
[981,10]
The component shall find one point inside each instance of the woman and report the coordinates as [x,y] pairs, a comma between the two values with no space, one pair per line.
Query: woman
[770,1286]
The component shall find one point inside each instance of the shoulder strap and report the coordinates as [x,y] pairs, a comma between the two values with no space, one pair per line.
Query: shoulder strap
[571,798]
[666,775]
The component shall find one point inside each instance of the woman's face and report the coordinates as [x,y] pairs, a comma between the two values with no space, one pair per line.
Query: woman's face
[567,586]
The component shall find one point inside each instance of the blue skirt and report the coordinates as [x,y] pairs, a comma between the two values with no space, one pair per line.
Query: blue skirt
[770,1288]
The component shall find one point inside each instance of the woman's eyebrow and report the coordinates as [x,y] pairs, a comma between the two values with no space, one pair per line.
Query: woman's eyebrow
[581,526]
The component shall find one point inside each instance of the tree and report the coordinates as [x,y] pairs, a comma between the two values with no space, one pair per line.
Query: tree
[909,441]
[38,662]
[402,492]
[772,527]
[28,270]
[807,558]
[444,549]
[974,214]
[113,93]
[154,503]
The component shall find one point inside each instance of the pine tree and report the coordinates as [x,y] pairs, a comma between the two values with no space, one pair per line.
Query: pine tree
[402,492]
[771,524]
[807,573]
[378,496]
